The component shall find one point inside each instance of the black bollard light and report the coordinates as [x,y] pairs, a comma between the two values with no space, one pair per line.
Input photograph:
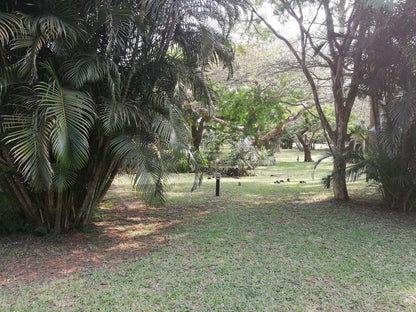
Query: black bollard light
[217,184]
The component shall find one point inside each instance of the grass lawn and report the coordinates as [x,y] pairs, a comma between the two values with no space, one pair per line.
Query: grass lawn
[260,246]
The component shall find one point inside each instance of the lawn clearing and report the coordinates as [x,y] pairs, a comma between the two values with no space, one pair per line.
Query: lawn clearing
[260,246]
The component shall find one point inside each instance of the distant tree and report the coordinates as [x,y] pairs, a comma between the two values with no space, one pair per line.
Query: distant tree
[257,111]
[331,35]
[255,108]
[255,100]
[306,130]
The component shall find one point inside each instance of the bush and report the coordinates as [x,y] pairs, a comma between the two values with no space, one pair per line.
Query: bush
[10,220]
[246,157]
[236,172]
[286,140]
[243,154]
[396,180]
[397,183]
[211,144]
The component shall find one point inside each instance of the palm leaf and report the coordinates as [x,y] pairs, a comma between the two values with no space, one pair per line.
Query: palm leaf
[63,178]
[73,115]
[151,177]
[10,26]
[90,68]
[9,75]
[58,24]
[116,116]
[28,135]
[144,158]
[402,111]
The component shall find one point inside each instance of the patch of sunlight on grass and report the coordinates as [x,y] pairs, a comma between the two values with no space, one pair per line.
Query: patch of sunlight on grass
[259,246]
[409,296]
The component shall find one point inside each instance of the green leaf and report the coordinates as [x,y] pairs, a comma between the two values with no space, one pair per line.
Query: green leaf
[72,114]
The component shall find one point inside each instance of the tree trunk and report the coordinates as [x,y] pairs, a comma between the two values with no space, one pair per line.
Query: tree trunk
[276,148]
[339,185]
[307,153]
[374,120]
[256,141]
[279,128]
[58,213]
[306,147]
[197,130]
[346,72]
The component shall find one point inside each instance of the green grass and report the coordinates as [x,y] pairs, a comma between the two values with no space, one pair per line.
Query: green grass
[258,247]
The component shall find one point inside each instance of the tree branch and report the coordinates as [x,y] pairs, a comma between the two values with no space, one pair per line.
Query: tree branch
[276,131]
[325,124]
[205,112]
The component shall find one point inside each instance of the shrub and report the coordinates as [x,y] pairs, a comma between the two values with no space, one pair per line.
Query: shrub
[397,182]
[10,220]
[246,157]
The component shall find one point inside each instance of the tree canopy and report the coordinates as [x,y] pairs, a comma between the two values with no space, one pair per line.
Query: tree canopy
[331,35]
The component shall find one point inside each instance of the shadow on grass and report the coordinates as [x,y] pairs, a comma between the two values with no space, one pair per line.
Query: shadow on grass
[122,231]
[126,230]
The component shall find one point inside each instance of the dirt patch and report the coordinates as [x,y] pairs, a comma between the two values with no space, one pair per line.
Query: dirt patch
[123,232]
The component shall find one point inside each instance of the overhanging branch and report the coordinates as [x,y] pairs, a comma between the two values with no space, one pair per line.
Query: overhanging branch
[205,112]
[276,131]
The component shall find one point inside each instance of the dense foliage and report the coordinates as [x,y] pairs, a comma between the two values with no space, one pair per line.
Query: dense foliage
[390,82]
[89,87]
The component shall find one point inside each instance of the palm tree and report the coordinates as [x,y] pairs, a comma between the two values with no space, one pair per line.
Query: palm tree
[89,87]
[391,84]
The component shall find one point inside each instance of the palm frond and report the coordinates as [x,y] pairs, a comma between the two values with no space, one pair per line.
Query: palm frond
[73,116]
[63,178]
[56,25]
[175,130]
[326,155]
[119,21]
[28,135]
[116,116]
[402,111]
[82,69]
[145,159]
[151,177]
[356,170]
[10,26]
[9,75]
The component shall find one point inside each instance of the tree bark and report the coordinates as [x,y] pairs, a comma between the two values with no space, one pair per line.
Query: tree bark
[374,120]
[279,128]
[339,184]
[20,192]
[197,130]
[307,153]
[306,146]
[276,148]
[58,213]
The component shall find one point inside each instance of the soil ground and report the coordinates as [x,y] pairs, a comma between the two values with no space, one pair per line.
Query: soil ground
[124,232]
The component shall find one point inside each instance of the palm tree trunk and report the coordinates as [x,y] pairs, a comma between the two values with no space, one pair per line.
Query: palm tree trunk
[111,173]
[85,209]
[49,206]
[58,213]
[374,120]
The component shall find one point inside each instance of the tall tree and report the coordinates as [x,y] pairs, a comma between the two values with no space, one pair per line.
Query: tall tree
[331,34]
